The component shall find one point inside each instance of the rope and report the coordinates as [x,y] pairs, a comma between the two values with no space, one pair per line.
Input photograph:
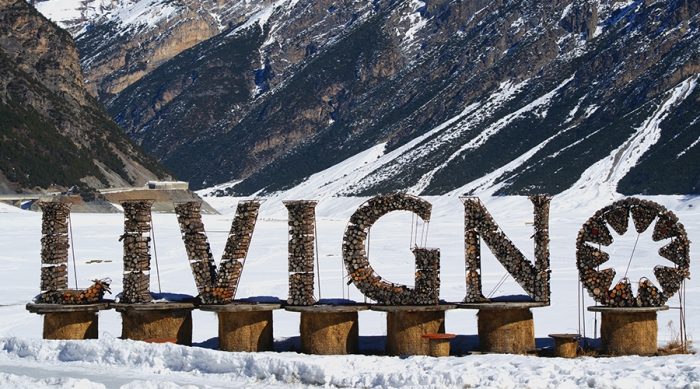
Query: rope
[347,275]
[595,323]
[465,259]
[683,329]
[410,243]
[416,241]
[72,249]
[581,302]
[155,254]
[427,229]
[369,234]
[318,266]
[595,314]
[631,255]
[498,285]
[578,308]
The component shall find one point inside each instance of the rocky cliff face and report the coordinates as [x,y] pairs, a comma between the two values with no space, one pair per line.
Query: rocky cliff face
[522,96]
[79,15]
[129,42]
[53,131]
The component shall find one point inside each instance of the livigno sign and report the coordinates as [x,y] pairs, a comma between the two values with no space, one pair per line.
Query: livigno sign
[218,285]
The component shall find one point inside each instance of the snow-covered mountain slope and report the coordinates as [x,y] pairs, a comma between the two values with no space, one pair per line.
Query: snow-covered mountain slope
[518,96]
[121,41]
[75,15]
[375,165]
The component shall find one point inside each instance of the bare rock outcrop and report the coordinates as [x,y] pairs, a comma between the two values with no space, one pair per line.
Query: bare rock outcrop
[54,133]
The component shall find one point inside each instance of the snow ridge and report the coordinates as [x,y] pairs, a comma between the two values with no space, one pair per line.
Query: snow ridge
[447,132]
[490,131]
[137,360]
[601,178]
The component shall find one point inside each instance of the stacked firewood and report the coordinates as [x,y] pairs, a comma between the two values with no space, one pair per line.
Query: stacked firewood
[301,289]
[541,225]
[227,279]
[472,258]
[369,212]
[136,252]
[621,295]
[648,295]
[54,259]
[301,251]
[217,287]
[670,279]
[196,245]
[54,251]
[54,277]
[595,232]
[427,283]
[137,257]
[93,294]
[478,224]
[204,272]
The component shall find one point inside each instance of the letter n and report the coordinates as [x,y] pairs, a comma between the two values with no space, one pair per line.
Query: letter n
[478,224]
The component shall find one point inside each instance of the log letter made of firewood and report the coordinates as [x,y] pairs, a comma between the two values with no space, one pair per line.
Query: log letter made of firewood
[217,287]
[595,232]
[427,285]
[301,250]
[54,260]
[137,255]
[478,224]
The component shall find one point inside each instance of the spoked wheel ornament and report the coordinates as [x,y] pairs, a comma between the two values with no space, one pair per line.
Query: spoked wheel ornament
[595,232]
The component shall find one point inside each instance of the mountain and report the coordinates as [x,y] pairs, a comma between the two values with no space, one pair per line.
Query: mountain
[127,42]
[516,96]
[77,16]
[53,132]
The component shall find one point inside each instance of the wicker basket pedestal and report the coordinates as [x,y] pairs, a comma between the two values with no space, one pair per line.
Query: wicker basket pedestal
[329,329]
[69,322]
[406,325]
[565,345]
[244,326]
[629,331]
[505,327]
[157,322]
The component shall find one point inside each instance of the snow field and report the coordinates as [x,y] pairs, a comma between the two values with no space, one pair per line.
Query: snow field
[28,361]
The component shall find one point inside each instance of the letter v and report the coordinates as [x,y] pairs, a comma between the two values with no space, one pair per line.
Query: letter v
[217,287]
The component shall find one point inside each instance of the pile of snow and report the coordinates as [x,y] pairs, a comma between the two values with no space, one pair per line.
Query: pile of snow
[111,362]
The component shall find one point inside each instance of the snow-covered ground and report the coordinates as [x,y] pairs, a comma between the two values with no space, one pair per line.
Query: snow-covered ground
[28,361]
